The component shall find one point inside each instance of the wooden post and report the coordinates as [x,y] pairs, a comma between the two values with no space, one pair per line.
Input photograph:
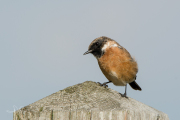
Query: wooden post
[88,101]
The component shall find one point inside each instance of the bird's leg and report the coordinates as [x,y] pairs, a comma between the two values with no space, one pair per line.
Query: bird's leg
[104,84]
[124,95]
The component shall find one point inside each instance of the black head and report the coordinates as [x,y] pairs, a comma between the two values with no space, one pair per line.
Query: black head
[96,46]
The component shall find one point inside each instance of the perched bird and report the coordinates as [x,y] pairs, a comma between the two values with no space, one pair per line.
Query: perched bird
[115,62]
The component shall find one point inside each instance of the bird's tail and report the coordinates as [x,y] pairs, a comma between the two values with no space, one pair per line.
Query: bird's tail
[135,86]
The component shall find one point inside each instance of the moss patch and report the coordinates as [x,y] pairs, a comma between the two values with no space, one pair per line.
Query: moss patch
[51,115]
[41,109]
[18,118]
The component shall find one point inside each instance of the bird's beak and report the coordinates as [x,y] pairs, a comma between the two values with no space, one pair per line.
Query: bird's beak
[89,51]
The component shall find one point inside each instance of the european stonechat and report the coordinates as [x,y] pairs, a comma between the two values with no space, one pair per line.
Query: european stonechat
[115,62]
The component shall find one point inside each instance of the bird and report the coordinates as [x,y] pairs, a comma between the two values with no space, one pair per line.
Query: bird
[115,63]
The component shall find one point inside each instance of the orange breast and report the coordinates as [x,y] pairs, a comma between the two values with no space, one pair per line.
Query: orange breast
[118,66]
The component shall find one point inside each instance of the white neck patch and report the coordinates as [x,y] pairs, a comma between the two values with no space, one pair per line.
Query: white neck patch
[109,44]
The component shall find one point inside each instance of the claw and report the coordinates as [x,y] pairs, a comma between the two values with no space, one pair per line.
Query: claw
[104,85]
[100,84]
[123,95]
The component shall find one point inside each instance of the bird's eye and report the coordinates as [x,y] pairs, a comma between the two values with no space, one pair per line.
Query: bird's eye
[97,43]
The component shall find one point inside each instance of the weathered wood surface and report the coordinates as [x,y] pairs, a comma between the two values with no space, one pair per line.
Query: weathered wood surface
[88,101]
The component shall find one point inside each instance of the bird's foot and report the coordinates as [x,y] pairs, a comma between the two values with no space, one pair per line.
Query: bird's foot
[104,85]
[123,95]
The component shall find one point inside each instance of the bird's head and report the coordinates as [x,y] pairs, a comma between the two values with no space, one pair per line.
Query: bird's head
[99,46]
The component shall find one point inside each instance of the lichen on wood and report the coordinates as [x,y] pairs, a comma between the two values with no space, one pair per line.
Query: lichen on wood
[88,101]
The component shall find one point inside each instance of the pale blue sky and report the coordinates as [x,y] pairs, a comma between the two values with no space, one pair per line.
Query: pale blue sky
[42,45]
